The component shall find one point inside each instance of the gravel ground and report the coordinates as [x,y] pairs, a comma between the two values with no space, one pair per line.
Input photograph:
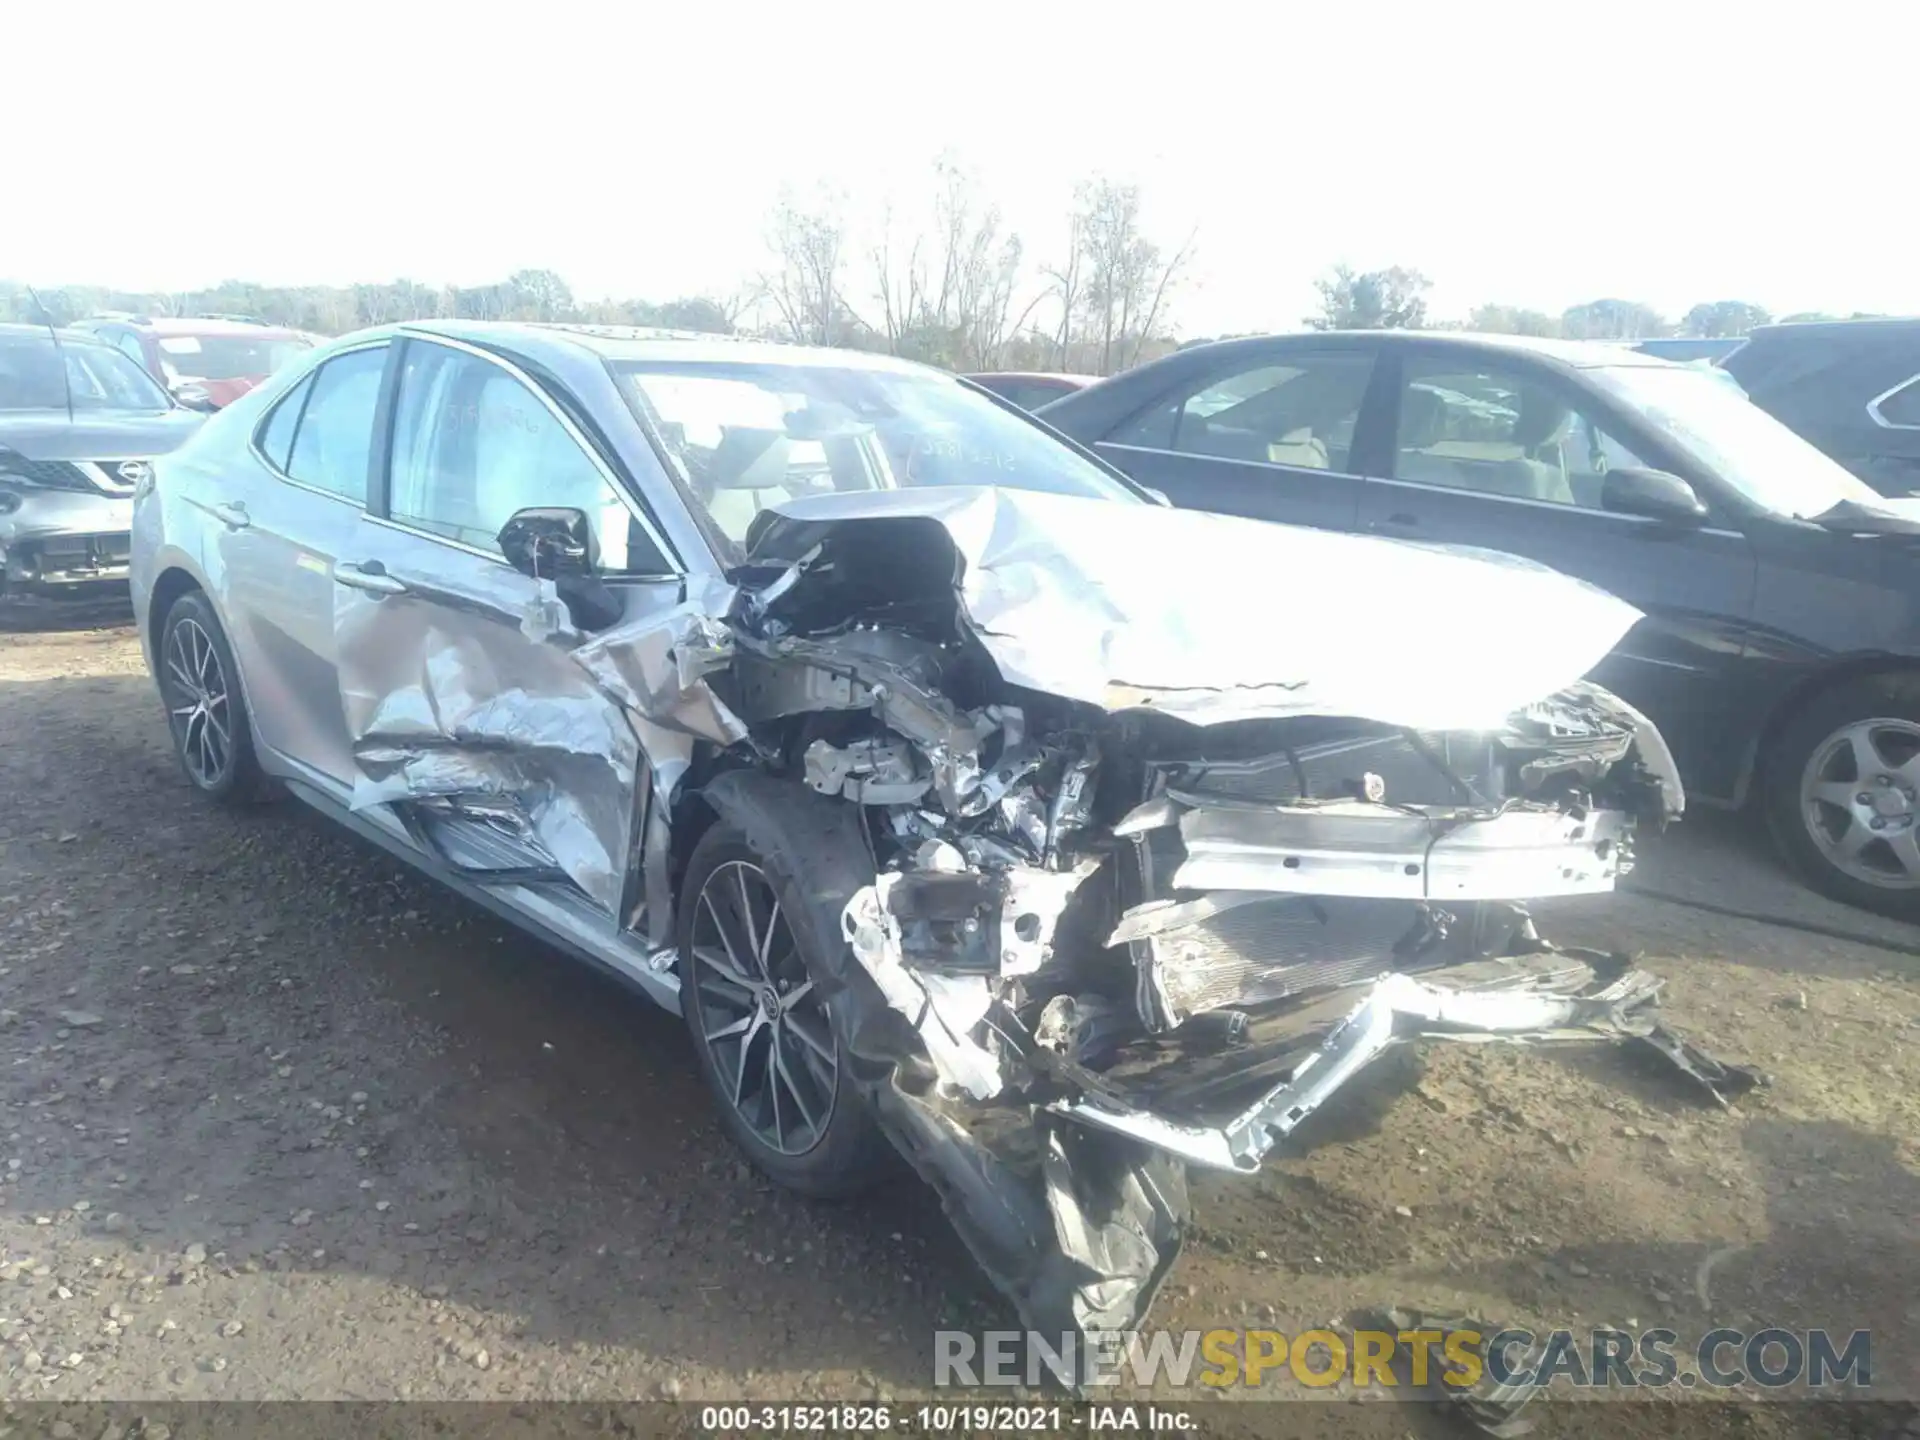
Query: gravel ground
[281,1121]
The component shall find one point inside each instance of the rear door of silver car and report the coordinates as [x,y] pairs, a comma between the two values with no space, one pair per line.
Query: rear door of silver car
[278,515]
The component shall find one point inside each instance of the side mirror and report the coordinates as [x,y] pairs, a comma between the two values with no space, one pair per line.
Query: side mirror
[194,397]
[1656,494]
[558,543]
[547,543]
[1159,495]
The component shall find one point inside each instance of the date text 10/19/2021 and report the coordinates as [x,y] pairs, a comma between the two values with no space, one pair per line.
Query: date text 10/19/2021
[940,1417]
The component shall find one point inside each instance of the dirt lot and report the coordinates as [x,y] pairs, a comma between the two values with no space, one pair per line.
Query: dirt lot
[279,1120]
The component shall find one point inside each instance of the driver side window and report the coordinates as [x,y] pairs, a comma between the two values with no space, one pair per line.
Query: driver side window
[1501,432]
[472,445]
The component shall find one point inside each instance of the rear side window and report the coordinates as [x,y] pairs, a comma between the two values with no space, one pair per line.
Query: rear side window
[333,441]
[276,436]
[1300,412]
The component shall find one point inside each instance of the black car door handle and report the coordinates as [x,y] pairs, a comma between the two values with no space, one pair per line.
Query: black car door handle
[370,576]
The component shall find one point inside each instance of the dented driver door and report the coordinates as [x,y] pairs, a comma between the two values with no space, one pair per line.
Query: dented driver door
[472,721]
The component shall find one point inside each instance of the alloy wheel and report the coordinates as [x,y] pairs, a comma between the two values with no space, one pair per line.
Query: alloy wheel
[764,1022]
[198,704]
[1860,801]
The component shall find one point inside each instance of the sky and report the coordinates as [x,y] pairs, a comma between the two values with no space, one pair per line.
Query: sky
[1535,154]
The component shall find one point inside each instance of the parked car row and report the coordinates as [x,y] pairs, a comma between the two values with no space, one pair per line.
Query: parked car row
[79,423]
[204,361]
[82,412]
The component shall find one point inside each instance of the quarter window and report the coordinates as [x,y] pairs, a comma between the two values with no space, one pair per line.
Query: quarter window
[333,439]
[1300,413]
[276,436]
[472,445]
[1499,432]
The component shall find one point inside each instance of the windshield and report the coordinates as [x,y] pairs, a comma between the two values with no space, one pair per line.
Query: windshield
[99,378]
[225,357]
[747,436]
[1742,444]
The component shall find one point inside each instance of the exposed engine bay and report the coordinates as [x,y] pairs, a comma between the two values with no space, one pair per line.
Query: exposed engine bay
[1128,892]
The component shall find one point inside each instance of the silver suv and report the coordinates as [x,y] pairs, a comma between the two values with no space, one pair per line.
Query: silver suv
[78,424]
[970,805]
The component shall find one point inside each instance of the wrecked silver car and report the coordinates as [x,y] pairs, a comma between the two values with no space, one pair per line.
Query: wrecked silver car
[967,802]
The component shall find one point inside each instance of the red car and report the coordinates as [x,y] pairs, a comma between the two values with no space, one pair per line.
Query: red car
[206,362]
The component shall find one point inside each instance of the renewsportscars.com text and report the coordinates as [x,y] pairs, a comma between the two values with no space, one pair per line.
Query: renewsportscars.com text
[1773,1357]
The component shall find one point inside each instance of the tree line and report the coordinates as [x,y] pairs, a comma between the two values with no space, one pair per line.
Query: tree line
[950,284]
[953,286]
[1396,298]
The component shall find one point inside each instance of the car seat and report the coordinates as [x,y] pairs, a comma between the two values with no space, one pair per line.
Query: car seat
[746,473]
[1541,422]
[1422,419]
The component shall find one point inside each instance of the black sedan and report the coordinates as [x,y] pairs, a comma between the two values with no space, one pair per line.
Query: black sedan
[1780,649]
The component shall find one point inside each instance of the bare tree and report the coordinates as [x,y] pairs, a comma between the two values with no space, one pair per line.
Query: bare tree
[949,297]
[1064,280]
[805,286]
[898,281]
[1124,279]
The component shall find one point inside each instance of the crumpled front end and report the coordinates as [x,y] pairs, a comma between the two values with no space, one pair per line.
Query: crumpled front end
[1143,936]
[1151,828]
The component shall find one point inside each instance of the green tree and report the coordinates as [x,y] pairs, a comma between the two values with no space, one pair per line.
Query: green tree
[1612,320]
[1723,317]
[538,295]
[1511,320]
[1390,299]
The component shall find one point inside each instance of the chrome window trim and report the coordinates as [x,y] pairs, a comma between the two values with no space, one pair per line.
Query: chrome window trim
[253,437]
[607,474]
[1225,460]
[1552,506]
[1873,405]
[388,522]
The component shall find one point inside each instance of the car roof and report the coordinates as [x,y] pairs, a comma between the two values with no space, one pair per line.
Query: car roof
[190,325]
[643,345]
[1866,328]
[1062,375]
[13,330]
[1569,354]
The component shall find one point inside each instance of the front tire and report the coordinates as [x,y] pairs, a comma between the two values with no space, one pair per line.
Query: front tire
[753,992]
[1841,787]
[206,714]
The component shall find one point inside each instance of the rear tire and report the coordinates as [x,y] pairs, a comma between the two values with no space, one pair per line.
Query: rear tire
[1841,790]
[753,992]
[206,713]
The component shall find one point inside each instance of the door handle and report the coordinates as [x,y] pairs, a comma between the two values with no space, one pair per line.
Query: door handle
[233,515]
[370,576]
[1399,520]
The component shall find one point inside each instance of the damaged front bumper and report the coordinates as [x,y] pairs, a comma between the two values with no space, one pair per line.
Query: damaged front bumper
[1564,999]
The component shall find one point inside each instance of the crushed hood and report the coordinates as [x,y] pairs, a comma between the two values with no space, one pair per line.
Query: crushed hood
[1215,618]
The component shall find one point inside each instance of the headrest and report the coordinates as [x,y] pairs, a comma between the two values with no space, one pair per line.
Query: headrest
[749,459]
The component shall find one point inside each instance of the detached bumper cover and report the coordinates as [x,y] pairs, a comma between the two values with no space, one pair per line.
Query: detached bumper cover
[1548,998]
